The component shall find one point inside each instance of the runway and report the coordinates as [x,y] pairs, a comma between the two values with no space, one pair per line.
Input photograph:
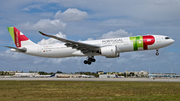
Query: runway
[95,79]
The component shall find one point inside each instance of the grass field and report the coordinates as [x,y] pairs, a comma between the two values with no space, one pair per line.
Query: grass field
[88,91]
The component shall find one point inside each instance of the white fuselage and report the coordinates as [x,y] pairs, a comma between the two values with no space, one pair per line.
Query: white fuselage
[124,44]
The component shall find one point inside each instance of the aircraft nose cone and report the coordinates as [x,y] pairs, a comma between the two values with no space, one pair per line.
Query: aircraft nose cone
[172,41]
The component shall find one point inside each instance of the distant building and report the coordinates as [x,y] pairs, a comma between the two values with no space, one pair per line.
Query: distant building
[9,72]
[100,72]
[120,72]
[144,73]
[135,73]
[26,74]
[62,75]
[108,76]
[164,75]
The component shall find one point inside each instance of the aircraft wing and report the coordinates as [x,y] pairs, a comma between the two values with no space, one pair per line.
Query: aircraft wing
[83,47]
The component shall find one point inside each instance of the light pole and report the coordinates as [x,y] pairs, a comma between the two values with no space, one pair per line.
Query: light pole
[78,69]
[108,70]
[126,72]
[149,70]
[171,72]
[108,73]
[37,70]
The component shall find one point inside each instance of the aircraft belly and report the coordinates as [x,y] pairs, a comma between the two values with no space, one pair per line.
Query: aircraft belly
[54,53]
[58,53]
[77,53]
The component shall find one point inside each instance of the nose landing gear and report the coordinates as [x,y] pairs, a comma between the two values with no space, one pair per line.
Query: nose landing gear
[89,60]
[157,53]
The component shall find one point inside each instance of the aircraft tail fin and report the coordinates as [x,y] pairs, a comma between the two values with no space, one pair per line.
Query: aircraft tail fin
[19,38]
[53,75]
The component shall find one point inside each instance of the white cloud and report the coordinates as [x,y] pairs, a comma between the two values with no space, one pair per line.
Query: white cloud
[89,39]
[52,40]
[165,2]
[47,60]
[35,6]
[26,9]
[44,25]
[153,10]
[71,14]
[38,61]
[120,23]
[55,60]
[13,55]
[118,33]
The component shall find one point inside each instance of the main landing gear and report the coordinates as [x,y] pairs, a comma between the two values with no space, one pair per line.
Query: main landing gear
[157,53]
[89,60]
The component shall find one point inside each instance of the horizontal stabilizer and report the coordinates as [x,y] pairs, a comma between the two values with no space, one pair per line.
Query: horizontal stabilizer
[18,49]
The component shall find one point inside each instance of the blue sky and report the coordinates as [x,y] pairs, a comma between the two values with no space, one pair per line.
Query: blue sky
[87,20]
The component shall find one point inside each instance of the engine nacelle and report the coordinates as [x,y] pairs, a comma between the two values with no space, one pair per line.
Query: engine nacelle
[109,52]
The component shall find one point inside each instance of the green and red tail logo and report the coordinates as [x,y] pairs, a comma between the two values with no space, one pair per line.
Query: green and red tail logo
[17,36]
[142,42]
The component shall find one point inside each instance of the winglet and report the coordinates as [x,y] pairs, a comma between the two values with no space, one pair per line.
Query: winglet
[41,33]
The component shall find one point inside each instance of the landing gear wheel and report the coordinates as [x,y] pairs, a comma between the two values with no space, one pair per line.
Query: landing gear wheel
[93,60]
[157,53]
[89,60]
[85,62]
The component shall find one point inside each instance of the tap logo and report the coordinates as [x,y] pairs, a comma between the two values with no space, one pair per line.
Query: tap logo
[142,42]
[16,39]
[19,37]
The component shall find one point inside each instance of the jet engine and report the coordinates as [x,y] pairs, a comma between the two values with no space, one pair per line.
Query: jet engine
[109,52]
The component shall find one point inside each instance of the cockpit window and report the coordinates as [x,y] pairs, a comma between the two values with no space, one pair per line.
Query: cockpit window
[167,38]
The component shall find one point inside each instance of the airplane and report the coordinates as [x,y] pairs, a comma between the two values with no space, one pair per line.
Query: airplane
[110,48]
[45,76]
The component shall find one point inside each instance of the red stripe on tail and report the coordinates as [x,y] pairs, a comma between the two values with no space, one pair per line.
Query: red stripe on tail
[18,37]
